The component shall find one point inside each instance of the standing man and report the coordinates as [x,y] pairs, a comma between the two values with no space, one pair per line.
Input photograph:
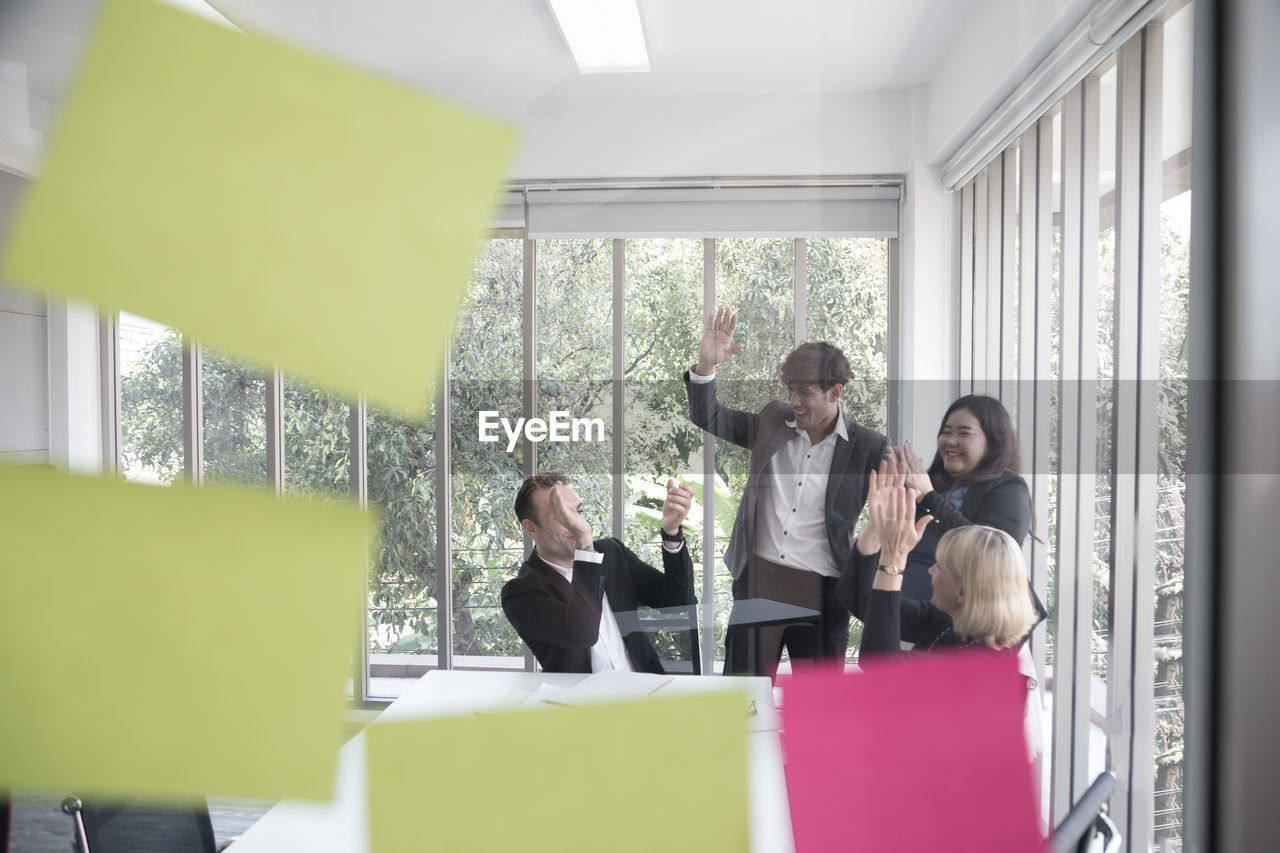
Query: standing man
[807,483]
[563,601]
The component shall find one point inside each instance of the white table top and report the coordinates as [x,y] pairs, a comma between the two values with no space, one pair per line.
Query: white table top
[341,825]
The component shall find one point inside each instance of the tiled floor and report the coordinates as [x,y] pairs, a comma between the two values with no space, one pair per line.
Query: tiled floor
[39,825]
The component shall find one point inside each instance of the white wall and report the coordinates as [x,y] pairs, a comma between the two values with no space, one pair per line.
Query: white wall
[929,263]
[24,377]
[799,133]
[49,379]
[75,414]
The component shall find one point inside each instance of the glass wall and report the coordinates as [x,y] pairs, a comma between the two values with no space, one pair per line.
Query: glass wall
[1102,266]
[1170,470]
[150,369]
[485,368]
[234,405]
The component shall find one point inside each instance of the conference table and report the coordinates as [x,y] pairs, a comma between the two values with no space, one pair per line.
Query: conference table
[342,824]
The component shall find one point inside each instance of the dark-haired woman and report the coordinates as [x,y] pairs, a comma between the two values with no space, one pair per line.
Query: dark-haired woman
[975,478]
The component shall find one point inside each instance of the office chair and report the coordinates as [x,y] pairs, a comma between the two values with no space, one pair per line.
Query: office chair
[1086,828]
[136,827]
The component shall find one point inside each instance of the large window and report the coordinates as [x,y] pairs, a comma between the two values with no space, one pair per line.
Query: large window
[600,328]
[1094,200]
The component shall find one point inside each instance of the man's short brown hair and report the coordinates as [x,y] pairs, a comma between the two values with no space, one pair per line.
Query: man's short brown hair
[817,362]
[530,486]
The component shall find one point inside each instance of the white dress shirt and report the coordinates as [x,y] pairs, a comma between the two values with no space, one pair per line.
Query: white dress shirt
[609,652]
[791,527]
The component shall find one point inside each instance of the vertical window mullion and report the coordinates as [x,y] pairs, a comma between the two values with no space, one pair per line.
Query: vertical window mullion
[1040,302]
[989,344]
[529,392]
[1071,697]
[901,394]
[964,307]
[1088,423]
[1006,318]
[708,626]
[981,277]
[443,442]
[192,412]
[109,390]
[618,480]
[275,429]
[1125,395]
[358,477]
[801,296]
[1142,785]
[1025,412]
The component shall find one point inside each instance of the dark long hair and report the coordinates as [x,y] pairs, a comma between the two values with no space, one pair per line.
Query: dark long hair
[1002,444]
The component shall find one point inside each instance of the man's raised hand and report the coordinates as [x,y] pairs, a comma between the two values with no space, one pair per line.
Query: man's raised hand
[570,517]
[717,341]
[676,507]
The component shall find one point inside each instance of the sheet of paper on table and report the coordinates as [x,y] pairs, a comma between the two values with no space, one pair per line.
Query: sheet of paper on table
[609,686]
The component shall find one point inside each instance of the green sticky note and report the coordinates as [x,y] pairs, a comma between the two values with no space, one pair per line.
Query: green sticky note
[664,774]
[172,642]
[282,207]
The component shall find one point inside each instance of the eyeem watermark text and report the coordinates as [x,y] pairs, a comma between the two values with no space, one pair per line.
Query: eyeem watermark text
[557,427]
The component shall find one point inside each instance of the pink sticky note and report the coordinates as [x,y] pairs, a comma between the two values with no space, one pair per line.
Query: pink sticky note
[926,753]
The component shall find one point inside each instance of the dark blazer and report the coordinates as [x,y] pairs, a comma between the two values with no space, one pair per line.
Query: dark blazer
[1003,502]
[560,621]
[764,434]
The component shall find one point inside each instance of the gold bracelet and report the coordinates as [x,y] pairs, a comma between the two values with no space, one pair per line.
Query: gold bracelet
[891,569]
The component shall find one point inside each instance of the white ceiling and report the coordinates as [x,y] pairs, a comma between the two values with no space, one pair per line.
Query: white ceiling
[511,50]
[507,56]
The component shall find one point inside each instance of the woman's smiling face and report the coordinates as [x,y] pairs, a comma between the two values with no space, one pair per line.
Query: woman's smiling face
[961,443]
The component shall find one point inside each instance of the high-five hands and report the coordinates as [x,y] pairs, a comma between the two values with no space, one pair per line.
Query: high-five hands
[577,530]
[892,507]
[917,474]
[676,507]
[717,341]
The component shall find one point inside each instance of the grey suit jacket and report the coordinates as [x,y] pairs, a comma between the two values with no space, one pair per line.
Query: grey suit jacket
[764,433]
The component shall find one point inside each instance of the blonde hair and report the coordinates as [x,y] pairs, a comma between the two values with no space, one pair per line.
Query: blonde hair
[997,606]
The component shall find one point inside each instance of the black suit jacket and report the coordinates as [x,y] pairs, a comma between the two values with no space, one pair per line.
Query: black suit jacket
[560,621]
[764,433]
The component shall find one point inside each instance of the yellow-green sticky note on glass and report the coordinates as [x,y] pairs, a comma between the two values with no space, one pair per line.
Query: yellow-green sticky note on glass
[635,777]
[173,642]
[280,206]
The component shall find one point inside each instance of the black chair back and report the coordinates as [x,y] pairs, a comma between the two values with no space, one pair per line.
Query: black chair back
[136,827]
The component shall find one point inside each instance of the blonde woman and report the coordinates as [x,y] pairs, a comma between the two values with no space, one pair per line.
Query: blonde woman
[980,593]
[980,596]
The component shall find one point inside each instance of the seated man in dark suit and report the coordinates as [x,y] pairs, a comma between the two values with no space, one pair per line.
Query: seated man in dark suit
[563,601]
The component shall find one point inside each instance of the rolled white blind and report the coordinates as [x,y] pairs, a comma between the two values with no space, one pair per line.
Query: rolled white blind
[714,211]
[510,210]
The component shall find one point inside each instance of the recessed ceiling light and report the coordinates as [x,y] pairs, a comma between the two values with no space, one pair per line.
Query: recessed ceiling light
[604,35]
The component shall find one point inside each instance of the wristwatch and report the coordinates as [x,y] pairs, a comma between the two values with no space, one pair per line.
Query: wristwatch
[667,537]
[892,569]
